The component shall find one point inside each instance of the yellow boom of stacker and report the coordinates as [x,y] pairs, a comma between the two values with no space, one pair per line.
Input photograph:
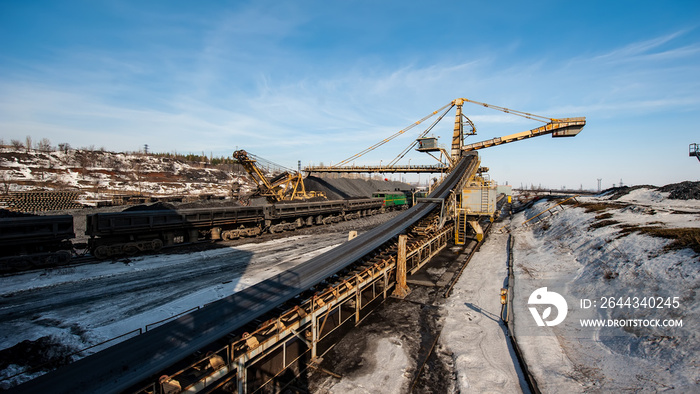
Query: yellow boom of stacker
[478,196]
[562,127]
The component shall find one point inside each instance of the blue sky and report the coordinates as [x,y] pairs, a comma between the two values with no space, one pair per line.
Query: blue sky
[318,81]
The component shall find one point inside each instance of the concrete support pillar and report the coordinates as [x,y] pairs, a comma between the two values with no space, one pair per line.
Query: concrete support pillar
[358,300]
[314,336]
[242,372]
[458,135]
[401,290]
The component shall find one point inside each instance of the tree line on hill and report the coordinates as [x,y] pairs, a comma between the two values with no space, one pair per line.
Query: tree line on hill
[45,145]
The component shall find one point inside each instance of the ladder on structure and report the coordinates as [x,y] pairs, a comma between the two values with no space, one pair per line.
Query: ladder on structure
[484,199]
[461,227]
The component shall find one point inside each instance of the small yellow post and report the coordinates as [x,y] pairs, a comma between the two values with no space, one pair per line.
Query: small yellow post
[401,290]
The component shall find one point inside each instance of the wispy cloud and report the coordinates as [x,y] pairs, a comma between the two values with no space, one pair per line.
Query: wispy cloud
[252,78]
[640,48]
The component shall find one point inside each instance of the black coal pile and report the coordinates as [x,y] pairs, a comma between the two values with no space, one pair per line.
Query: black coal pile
[617,192]
[682,191]
[43,354]
[159,206]
[341,188]
[677,191]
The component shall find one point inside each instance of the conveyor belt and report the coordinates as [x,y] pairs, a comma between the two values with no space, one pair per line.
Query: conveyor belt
[130,362]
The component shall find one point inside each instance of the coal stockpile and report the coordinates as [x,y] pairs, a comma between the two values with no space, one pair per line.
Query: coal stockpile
[159,206]
[682,191]
[342,188]
[677,191]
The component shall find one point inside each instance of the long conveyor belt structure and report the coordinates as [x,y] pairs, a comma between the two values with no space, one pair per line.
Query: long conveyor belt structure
[128,363]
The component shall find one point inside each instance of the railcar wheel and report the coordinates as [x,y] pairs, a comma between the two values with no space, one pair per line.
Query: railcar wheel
[101,252]
[50,260]
[130,249]
[157,245]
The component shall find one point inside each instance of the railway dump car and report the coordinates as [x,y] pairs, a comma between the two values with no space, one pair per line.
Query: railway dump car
[118,233]
[130,232]
[44,241]
[35,241]
[280,217]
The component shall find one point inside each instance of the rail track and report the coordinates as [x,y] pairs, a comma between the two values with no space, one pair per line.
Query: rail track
[172,346]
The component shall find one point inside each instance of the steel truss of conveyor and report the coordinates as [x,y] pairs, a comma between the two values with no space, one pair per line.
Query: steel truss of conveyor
[416,169]
[139,359]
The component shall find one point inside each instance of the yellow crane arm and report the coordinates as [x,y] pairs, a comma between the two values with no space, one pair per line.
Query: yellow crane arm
[253,171]
[566,127]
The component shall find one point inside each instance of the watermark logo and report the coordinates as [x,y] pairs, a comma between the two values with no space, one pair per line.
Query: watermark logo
[543,297]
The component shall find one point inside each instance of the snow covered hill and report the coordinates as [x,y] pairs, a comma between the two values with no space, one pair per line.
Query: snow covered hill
[621,253]
[100,174]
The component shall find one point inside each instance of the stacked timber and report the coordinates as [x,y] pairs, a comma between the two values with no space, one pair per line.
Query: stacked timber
[40,201]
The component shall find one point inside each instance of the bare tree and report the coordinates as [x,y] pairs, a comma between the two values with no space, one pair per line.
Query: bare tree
[44,145]
[5,183]
[137,167]
[113,163]
[17,144]
[64,147]
[29,143]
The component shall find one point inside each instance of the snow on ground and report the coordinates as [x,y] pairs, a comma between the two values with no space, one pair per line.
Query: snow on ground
[384,371]
[472,331]
[656,199]
[580,256]
[84,305]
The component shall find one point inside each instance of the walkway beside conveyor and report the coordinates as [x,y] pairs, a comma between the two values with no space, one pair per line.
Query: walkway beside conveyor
[473,332]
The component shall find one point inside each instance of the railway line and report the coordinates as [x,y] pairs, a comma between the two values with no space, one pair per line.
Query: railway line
[32,242]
